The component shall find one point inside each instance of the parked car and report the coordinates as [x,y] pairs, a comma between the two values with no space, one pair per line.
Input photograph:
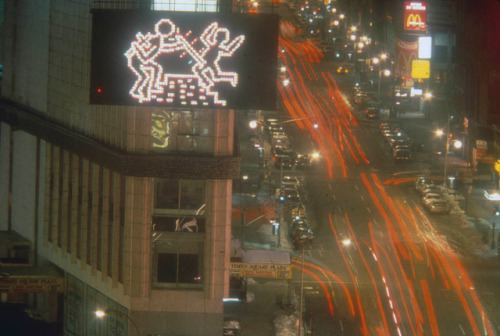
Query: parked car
[288,184]
[431,189]
[294,179]
[402,155]
[441,207]
[423,183]
[431,197]
[303,161]
[283,161]
[372,113]
[399,140]
[342,69]
[290,195]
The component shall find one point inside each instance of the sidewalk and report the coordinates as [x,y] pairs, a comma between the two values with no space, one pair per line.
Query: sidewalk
[269,309]
[262,314]
[467,193]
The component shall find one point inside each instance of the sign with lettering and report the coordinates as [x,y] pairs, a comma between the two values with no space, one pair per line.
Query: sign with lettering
[406,52]
[420,69]
[277,271]
[31,283]
[415,16]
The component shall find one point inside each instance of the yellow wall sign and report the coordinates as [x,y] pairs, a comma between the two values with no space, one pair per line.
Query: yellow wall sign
[420,69]
[497,166]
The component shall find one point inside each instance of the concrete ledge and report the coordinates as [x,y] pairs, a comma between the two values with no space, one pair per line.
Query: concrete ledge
[175,166]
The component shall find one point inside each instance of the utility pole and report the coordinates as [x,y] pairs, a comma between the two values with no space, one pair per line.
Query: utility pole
[301,292]
[243,229]
[493,235]
[447,144]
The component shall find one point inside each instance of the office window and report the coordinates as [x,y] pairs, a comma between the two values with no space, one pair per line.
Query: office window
[178,234]
[181,131]
[177,195]
[178,260]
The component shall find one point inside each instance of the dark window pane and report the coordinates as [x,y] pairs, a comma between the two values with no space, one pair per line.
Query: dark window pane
[167,194]
[192,195]
[188,269]
[167,267]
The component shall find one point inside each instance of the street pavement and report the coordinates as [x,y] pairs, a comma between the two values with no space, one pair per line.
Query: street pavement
[262,314]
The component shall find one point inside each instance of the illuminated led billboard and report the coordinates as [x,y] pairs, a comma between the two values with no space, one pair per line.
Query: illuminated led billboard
[184,59]
[415,16]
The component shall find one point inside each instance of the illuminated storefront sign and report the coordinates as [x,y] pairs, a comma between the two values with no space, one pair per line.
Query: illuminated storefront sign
[277,271]
[31,283]
[179,59]
[405,53]
[424,47]
[420,69]
[415,16]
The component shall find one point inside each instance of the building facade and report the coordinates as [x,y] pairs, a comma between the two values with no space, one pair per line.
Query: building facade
[131,206]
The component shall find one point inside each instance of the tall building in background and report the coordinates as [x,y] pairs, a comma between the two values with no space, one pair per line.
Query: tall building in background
[122,205]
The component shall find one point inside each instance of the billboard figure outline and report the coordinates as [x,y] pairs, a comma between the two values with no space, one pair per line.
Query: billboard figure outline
[153,83]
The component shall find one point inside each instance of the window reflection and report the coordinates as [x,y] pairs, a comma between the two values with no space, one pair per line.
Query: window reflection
[183,131]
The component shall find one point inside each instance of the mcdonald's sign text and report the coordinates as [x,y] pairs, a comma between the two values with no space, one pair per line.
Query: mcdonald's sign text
[415,18]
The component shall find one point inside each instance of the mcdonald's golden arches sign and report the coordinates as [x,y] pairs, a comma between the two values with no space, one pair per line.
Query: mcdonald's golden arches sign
[415,19]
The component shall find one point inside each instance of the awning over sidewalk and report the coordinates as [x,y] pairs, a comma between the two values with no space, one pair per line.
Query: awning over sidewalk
[266,257]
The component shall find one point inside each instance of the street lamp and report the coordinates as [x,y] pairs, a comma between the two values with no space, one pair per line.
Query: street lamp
[342,17]
[102,313]
[386,73]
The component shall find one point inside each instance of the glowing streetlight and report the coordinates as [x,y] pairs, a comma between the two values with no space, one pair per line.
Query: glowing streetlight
[341,16]
[457,144]
[428,95]
[386,73]
[353,37]
[439,132]
[383,56]
[375,60]
[286,82]
[336,22]
[253,124]
[346,242]
[354,28]
[103,313]
[315,155]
